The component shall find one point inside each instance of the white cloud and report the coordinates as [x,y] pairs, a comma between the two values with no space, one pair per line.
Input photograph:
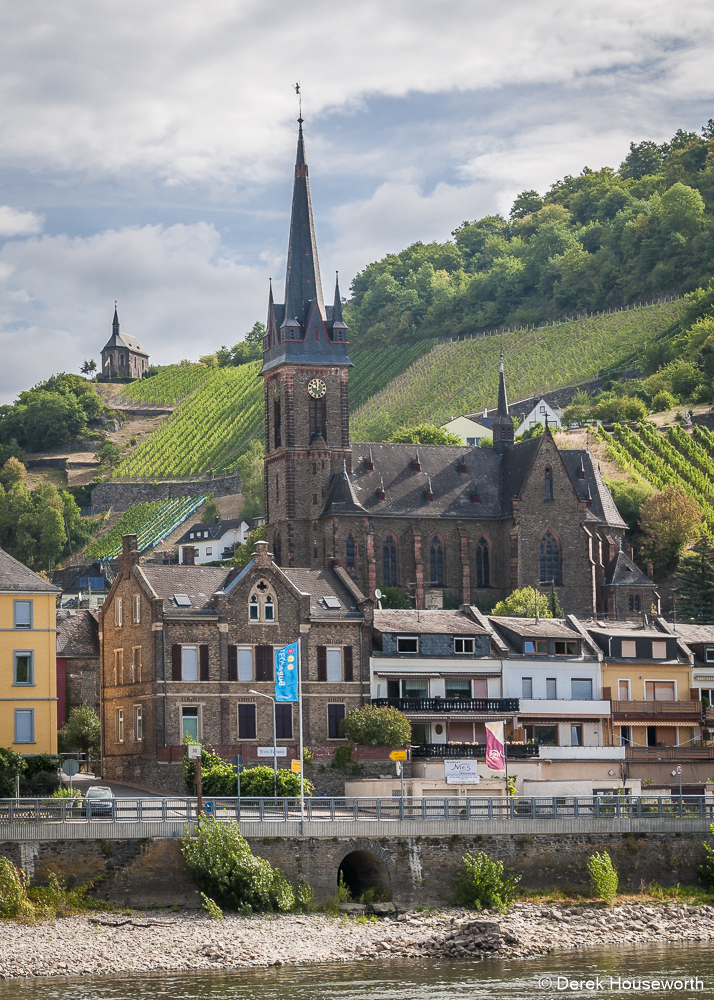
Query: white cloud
[178,292]
[15,223]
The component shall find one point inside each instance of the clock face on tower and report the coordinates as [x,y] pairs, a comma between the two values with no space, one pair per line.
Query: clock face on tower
[317,388]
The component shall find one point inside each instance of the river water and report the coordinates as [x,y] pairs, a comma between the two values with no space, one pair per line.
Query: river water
[594,972]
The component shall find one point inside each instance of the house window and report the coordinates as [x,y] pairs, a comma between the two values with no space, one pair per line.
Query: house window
[566,648]
[189,663]
[191,535]
[526,687]
[623,690]
[458,689]
[334,665]
[283,721]
[543,735]
[550,570]
[189,724]
[548,484]
[464,646]
[136,609]
[407,644]
[24,725]
[536,646]
[581,689]
[254,609]
[483,564]
[350,550]
[335,722]
[24,668]
[471,441]
[138,724]
[659,650]
[413,688]
[246,722]
[551,688]
[576,736]
[629,647]
[209,550]
[245,664]
[659,691]
[136,665]
[389,562]
[710,654]
[117,612]
[22,614]
[436,562]
[625,736]
[120,725]
[269,609]
[118,667]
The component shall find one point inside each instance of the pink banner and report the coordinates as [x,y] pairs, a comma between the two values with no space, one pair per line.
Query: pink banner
[495,749]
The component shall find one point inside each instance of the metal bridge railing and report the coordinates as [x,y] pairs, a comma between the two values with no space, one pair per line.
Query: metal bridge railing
[422,808]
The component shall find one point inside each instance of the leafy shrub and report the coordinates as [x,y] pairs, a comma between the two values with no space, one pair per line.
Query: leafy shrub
[343,755]
[664,400]
[394,599]
[211,908]
[13,892]
[304,897]
[258,782]
[603,877]
[706,870]
[386,727]
[524,603]
[11,764]
[343,894]
[82,732]
[224,866]
[481,883]
[425,434]
[66,793]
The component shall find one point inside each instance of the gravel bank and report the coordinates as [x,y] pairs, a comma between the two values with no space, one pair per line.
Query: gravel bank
[168,941]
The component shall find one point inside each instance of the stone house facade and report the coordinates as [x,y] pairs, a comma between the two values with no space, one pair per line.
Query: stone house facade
[78,672]
[184,648]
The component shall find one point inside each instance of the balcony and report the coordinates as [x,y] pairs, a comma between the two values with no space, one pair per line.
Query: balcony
[682,753]
[691,711]
[501,706]
[514,751]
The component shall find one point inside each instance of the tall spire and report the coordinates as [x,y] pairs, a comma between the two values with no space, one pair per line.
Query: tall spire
[302,280]
[338,323]
[115,321]
[502,395]
[502,423]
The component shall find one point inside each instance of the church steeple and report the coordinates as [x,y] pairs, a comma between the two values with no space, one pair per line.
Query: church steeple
[502,395]
[301,330]
[502,423]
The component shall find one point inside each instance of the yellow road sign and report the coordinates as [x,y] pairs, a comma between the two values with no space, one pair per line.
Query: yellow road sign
[295,766]
[398,755]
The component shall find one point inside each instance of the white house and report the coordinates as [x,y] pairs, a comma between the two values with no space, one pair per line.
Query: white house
[213,541]
[538,414]
[469,430]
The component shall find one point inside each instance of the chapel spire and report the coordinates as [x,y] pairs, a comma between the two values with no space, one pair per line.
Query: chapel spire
[115,321]
[302,280]
[502,394]
[502,424]
[339,327]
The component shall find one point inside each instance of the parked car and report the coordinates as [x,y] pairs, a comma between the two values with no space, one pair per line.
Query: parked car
[100,799]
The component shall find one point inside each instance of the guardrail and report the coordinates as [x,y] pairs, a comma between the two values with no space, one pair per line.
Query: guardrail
[477,751]
[252,810]
[502,706]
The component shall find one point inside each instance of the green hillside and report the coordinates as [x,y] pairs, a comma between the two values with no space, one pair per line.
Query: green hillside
[462,377]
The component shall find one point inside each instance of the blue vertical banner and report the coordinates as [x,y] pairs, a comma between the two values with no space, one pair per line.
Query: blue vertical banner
[286,673]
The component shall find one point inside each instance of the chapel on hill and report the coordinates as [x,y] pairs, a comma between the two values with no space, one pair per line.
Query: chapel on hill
[122,355]
[447,524]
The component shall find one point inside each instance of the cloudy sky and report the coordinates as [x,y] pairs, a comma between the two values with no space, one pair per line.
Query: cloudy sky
[146,149]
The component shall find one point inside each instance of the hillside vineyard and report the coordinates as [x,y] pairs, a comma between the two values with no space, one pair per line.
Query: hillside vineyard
[448,524]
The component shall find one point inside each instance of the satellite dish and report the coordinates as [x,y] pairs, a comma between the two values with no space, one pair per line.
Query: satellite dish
[378,594]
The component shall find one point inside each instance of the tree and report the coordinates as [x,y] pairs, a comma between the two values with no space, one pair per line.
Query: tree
[11,764]
[526,203]
[525,603]
[554,605]
[244,553]
[250,470]
[394,598]
[668,520]
[629,498]
[425,434]
[211,511]
[13,471]
[82,732]
[109,452]
[52,536]
[371,725]
[88,367]
[695,579]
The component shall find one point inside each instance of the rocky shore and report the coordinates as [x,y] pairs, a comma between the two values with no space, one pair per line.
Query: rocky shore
[163,940]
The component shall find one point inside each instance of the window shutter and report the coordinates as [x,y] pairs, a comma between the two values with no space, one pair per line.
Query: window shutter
[232,663]
[347,663]
[203,659]
[607,694]
[175,663]
[322,663]
[264,663]
[694,694]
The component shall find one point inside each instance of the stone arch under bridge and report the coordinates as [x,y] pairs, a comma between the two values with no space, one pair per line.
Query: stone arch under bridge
[364,865]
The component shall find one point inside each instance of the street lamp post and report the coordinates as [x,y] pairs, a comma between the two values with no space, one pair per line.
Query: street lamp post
[275,742]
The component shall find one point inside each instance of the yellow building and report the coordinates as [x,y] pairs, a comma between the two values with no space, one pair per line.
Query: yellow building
[28,676]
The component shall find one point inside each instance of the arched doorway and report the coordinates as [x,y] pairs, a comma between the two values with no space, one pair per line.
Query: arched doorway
[361,871]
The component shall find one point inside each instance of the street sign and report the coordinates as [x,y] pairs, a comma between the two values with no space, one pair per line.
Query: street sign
[70,766]
[678,769]
[194,751]
[461,772]
[268,751]
[295,765]
[398,755]
[237,762]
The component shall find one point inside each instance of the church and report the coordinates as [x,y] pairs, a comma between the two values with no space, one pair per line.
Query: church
[449,525]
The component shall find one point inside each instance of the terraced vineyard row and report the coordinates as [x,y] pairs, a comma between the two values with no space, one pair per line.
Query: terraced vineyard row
[661,463]
[209,430]
[375,369]
[151,522]
[168,387]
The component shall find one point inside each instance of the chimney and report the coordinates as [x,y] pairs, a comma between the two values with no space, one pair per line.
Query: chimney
[650,569]
[416,464]
[129,551]
[429,493]
[189,555]
[463,471]
[381,495]
[261,555]
[369,462]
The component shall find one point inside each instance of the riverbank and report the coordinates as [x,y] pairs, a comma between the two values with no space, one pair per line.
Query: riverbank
[166,941]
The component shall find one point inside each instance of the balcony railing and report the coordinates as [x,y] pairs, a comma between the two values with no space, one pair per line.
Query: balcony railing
[670,753]
[636,708]
[514,751]
[504,706]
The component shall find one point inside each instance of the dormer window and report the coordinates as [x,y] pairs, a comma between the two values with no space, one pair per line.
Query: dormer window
[709,654]
[407,644]
[536,646]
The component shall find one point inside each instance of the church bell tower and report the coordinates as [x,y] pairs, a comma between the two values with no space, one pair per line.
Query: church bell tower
[305,368]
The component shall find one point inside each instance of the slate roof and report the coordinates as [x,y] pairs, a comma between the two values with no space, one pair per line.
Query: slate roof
[15,576]
[199,582]
[68,579]
[341,497]
[119,339]
[622,572]
[77,633]
[426,622]
[693,633]
[215,529]
[546,628]
[320,583]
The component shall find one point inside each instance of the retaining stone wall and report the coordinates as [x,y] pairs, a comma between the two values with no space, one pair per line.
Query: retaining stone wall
[119,496]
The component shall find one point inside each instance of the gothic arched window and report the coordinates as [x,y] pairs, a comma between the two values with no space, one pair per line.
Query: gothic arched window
[548,484]
[550,562]
[350,550]
[436,562]
[278,549]
[389,562]
[483,564]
